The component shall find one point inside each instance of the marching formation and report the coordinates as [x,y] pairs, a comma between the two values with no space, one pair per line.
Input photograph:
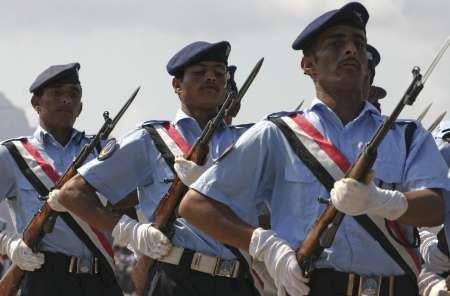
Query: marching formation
[335,199]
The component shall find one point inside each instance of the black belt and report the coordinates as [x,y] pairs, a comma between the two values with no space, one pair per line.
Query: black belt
[71,264]
[330,282]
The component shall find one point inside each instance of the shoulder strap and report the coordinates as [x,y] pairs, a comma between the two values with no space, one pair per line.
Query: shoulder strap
[161,146]
[42,189]
[409,135]
[25,169]
[327,181]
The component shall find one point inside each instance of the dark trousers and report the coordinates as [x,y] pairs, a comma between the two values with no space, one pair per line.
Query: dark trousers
[53,279]
[327,282]
[170,280]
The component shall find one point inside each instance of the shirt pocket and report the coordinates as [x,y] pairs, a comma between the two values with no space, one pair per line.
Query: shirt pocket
[388,174]
[303,189]
[299,173]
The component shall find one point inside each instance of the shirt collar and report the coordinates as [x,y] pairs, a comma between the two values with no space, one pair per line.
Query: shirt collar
[182,116]
[41,135]
[318,105]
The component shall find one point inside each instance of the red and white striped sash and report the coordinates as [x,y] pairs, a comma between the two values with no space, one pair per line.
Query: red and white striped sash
[42,166]
[336,164]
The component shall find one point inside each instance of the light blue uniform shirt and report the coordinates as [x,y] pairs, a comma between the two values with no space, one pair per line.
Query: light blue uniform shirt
[270,171]
[136,163]
[23,199]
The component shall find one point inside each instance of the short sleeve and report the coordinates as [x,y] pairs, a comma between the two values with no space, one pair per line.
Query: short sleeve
[123,170]
[7,176]
[241,178]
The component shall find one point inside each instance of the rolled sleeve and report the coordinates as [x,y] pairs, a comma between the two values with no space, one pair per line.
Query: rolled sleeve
[123,171]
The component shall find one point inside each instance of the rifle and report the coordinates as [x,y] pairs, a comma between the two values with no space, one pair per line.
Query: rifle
[437,121]
[44,220]
[323,231]
[165,214]
[424,112]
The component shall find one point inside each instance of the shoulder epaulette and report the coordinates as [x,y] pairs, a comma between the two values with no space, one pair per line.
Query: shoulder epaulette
[152,122]
[283,113]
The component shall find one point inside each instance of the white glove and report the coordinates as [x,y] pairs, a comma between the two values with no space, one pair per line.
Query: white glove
[280,262]
[143,238]
[356,198]
[188,171]
[438,261]
[20,254]
[53,201]
[439,289]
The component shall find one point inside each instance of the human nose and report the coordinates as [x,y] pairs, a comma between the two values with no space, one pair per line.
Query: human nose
[211,75]
[350,48]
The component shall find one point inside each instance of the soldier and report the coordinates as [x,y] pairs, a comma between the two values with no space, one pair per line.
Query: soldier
[196,264]
[30,166]
[333,130]
[375,93]
[434,246]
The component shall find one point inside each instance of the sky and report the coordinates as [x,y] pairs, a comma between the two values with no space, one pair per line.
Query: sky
[124,44]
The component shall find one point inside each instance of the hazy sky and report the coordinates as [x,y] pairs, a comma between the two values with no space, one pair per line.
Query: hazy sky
[123,44]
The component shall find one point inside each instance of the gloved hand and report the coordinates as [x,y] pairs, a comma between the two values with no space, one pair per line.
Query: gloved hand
[188,171]
[280,262]
[355,198]
[143,238]
[53,201]
[439,289]
[438,261]
[20,254]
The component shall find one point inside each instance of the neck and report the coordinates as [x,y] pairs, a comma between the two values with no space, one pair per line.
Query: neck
[61,134]
[202,116]
[346,103]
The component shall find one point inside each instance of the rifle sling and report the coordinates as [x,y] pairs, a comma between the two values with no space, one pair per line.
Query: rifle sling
[328,182]
[43,191]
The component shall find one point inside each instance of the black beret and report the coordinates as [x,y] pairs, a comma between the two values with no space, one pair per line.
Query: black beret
[197,52]
[231,82]
[373,56]
[353,13]
[56,74]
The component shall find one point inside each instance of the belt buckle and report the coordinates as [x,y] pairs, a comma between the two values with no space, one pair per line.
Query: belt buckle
[84,265]
[226,268]
[369,285]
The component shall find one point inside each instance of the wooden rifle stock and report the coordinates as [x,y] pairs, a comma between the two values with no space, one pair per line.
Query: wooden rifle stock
[325,227]
[44,220]
[165,214]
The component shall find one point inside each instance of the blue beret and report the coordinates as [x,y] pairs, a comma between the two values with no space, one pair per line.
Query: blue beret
[232,69]
[373,56]
[353,13]
[231,82]
[56,74]
[196,52]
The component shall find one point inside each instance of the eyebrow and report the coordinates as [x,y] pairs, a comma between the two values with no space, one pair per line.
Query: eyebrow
[342,35]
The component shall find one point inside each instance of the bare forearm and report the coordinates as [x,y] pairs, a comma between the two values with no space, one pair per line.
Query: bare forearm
[425,208]
[81,199]
[216,219]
